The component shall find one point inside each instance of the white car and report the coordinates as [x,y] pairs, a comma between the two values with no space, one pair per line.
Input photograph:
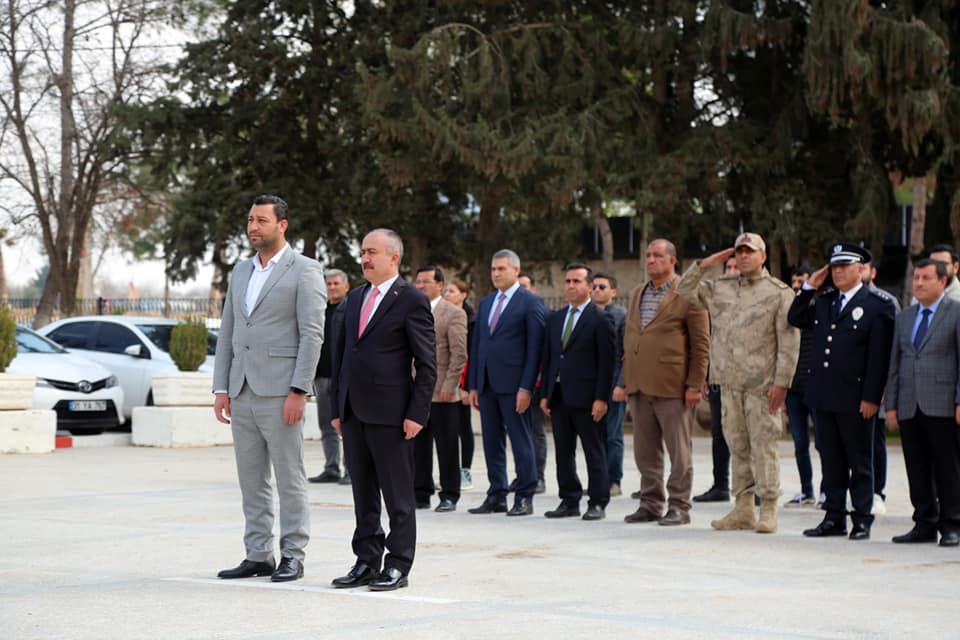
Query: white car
[85,395]
[133,348]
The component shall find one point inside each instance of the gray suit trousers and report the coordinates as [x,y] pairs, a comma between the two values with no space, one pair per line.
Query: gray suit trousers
[328,435]
[262,439]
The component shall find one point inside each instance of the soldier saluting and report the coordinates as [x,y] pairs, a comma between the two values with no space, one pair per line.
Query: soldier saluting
[852,333]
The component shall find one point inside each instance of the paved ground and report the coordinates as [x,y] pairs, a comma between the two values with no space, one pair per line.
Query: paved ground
[123,542]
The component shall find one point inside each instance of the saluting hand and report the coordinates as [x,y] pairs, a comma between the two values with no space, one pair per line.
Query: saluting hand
[717,259]
[818,277]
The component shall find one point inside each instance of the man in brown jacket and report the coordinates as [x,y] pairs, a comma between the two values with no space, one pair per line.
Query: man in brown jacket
[666,348]
[443,426]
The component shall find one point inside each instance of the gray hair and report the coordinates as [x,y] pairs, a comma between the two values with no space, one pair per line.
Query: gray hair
[667,245]
[335,273]
[394,243]
[512,258]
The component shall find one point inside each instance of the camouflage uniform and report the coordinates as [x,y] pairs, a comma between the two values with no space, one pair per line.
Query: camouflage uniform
[752,347]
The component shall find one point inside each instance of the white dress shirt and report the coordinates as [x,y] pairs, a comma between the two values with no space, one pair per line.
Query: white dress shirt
[384,287]
[496,299]
[259,277]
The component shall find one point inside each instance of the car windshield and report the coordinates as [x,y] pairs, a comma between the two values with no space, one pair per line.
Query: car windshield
[159,334]
[30,342]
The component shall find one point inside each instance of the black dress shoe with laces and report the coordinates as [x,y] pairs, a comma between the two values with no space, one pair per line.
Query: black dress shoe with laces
[388,580]
[827,528]
[289,569]
[521,507]
[860,531]
[949,539]
[360,574]
[595,512]
[490,505]
[325,477]
[247,569]
[916,535]
[563,511]
[446,506]
[713,494]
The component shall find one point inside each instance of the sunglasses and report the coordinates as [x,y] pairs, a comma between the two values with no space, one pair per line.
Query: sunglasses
[602,287]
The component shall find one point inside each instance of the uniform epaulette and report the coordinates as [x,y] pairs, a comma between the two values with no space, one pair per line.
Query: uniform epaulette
[780,283]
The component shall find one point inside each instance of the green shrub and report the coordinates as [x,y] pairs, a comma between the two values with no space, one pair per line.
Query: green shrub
[8,337]
[188,344]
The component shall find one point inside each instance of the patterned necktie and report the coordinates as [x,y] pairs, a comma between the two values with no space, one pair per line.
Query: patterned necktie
[568,328]
[922,329]
[367,310]
[496,312]
[836,307]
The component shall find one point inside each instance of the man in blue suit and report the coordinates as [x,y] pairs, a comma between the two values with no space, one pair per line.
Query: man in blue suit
[503,368]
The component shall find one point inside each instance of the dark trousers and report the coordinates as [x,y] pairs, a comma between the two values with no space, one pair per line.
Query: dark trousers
[539,436]
[719,448]
[380,461]
[443,428]
[880,457]
[466,435]
[499,419]
[570,423]
[799,416]
[931,452]
[846,449]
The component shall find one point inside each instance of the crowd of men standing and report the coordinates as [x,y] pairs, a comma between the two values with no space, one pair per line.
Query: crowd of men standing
[396,369]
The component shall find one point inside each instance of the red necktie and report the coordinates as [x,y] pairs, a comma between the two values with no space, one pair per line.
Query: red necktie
[367,310]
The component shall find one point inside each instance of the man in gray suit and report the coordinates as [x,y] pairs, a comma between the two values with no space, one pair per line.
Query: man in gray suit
[267,353]
[923,399]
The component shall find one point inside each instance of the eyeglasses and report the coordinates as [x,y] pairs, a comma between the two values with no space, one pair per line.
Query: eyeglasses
[602,287]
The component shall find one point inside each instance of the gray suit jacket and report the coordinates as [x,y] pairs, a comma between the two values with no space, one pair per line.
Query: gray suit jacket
[926,377]
[278,345]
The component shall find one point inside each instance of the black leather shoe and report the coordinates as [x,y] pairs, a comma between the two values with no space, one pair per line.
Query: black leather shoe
[446,506]
[288,569]
[563,511]
[388,580]
[513,486]
[674,518]
[490,506]
[641,515]
[860,531]
[359,575]
[825,529]
[916,535]
[247,569]
[595,512]
[325,477]
[713,494]
[521,507]
[423,504]
[344,480]
[950,539]
[541,487]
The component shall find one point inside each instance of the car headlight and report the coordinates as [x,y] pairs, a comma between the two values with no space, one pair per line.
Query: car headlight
[110,382]
[41,382]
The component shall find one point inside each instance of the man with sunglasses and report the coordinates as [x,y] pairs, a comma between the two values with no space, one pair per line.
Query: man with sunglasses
[603,295]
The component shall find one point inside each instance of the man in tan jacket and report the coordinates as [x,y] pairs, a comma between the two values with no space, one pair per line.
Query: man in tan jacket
[443,427]
[666,347]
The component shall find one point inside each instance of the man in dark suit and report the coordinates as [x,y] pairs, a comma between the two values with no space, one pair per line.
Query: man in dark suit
[577,378]
[852,333]
[501,375]
[923,400]
[379,407]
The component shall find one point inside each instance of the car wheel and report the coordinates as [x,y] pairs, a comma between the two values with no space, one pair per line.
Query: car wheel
[75,431]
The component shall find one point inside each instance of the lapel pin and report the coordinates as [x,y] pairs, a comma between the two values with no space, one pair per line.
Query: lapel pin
[857,313]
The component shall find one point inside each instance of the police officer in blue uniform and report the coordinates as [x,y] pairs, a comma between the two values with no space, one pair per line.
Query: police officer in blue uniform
[853,332]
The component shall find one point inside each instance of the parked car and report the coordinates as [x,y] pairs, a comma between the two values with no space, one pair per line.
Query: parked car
[85,395]
[133,348]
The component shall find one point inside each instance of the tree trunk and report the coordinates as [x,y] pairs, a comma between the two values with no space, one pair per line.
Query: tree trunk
[67,200]
[918,224]
[4,292]
[489,221]
[606,235]
[310,240]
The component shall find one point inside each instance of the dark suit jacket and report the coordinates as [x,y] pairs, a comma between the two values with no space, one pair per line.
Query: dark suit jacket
[585,367]
[374,374]
[510,358]
[850,355]
[926,377]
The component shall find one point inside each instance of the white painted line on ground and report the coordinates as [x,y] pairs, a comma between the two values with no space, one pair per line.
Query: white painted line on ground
[292,586]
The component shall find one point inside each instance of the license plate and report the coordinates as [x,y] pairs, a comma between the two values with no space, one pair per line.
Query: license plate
[88,405]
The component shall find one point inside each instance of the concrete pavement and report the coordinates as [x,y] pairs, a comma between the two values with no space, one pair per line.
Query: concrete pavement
[125,542]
